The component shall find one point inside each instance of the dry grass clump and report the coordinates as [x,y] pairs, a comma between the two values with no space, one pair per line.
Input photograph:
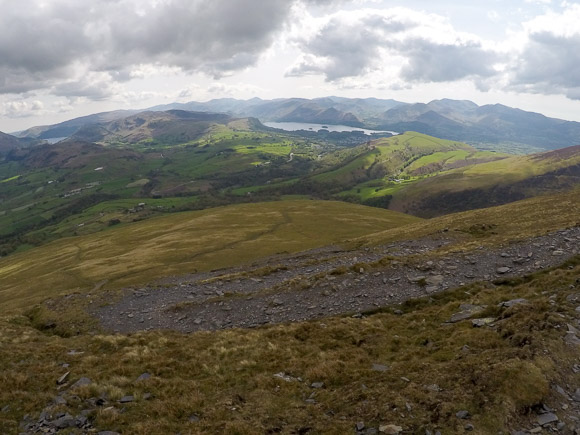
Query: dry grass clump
[413,370]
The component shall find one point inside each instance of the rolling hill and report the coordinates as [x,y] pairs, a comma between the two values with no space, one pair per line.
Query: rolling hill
[177,160]
[486,184]
[68,128]
[492,126]
[426,176]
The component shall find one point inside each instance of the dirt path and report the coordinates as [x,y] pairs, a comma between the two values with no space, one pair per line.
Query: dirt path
[324,282]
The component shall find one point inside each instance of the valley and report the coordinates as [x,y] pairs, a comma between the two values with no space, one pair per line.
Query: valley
[284,281]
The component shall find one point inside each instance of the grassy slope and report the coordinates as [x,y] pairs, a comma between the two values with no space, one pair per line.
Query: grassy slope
[184,242]
[226,378]
[485,175]
[32,190]
[515,221]
[409,155]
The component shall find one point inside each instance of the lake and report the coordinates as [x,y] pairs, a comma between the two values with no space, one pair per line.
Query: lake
[295,126]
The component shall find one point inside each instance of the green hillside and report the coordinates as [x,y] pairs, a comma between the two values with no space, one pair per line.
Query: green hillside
[50,191]
[497,182]
[386,163]
[76,187]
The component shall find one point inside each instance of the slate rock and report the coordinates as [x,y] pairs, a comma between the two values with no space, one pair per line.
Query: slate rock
[64,422]
[462,414]
[81,421]
[502,270]
[479,323]
[81,383]
[466,311]
[360,426]
[572,339]
[547,418]
[59,400]
[143,377]
[390,429]
[108,432]
[508,304]
[127,399]
[317,385]
[435,280]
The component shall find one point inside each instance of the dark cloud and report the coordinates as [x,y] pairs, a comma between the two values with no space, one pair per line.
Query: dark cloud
[45,43]
[95,87]
[215,37]
[549,64]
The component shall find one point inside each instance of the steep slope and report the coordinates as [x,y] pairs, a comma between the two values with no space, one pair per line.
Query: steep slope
[485,184]
[14,145]
[498,350]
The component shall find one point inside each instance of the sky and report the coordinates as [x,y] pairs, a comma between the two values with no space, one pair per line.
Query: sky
[60,59]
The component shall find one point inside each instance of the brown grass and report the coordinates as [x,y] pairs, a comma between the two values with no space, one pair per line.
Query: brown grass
[227,378]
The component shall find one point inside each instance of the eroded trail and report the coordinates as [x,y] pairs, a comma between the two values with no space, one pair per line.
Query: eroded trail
[325,282]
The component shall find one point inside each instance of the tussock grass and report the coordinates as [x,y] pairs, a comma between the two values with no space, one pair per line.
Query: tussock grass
[505,224]
[227,380]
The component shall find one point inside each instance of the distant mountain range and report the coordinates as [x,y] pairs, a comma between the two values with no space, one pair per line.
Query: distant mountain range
[329,110]
[494,127]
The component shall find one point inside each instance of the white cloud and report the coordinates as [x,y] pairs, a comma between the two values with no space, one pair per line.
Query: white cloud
[425,46]
[21,108]
[549,59]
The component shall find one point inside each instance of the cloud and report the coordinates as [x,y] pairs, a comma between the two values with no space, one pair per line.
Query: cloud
[424,46]
[429,61]
[21,108]
[93,86]
[47,43]
[549,60]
